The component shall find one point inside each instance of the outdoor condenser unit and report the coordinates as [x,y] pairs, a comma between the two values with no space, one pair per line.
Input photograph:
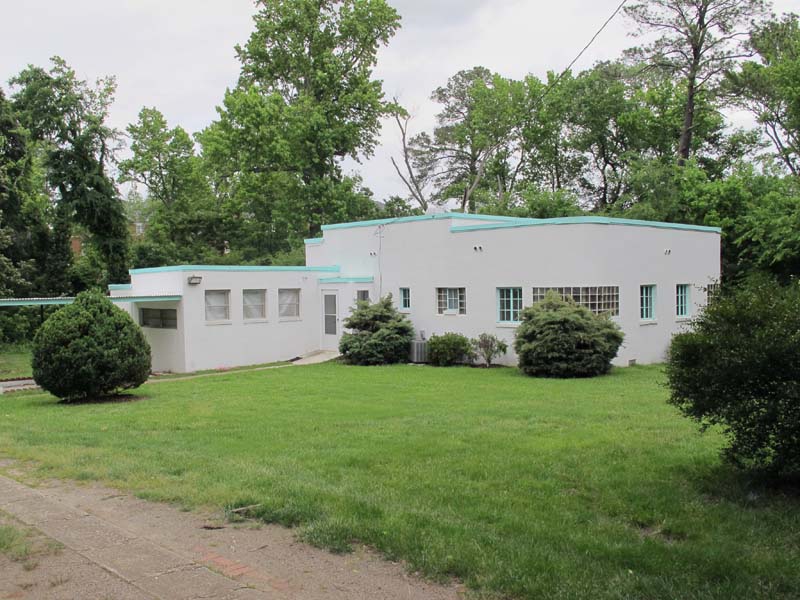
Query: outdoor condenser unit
[419,351]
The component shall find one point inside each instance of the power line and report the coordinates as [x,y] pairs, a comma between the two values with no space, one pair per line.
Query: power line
[585,48]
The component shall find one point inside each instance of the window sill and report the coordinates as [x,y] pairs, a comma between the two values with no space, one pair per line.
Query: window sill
[683,319]
[289,319]
[255,321]
[507,324]
[214,323]
[451,314]
[648,323]
[405,311]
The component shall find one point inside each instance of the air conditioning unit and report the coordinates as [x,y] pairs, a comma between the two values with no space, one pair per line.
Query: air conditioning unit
[419,351]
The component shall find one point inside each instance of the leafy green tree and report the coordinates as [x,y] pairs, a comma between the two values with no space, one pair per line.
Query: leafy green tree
[768,88]
[306,100]
[738,368]
[698,40]
[90,349]
[66,120]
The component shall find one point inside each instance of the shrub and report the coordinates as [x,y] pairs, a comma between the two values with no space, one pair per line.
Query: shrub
[90,349]
[739,367]
[489,347]
[558,338]
[378,335]
[449,349]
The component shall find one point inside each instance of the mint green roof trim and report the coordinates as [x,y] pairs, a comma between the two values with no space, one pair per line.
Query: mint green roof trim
[415,218]
[231,268]
[314,241]
[585,221]
[70,299]
[347,280]
[119,286]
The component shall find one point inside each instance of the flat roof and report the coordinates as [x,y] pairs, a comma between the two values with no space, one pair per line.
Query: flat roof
[62,300]
[502,222]
[180,268]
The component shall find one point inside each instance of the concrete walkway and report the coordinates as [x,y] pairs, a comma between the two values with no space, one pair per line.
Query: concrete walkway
[313,358]
[121,547]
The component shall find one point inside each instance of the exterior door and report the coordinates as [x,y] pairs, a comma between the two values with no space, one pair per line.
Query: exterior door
[330,320]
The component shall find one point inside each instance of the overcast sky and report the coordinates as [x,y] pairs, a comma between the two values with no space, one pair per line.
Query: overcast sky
[177,55]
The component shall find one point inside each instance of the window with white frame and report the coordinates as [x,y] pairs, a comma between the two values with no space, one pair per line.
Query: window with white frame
[600,299]
[254,304]
[159,318]
[218,305]
[647,302]
[451,300]
[682,300]
[362,295]
[509,304]
[405,298]
[289,304]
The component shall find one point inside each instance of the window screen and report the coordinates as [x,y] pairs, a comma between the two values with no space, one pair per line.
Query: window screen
[254,304]
[218,305]
[288,303]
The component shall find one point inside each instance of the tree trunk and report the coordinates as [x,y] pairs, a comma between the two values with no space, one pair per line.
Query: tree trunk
[685,144]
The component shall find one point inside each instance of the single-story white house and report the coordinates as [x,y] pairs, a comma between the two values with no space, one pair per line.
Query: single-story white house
[448,272]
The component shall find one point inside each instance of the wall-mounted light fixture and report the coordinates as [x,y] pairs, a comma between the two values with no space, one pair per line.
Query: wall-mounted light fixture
[194,279]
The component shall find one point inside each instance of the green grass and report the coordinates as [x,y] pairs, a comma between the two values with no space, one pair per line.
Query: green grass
[15,362]
[521,487]
[14,543]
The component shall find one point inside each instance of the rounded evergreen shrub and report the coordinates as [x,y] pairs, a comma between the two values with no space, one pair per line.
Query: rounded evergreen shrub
[449,349]
[739,368]
[90,349]
[378,335]
[558,338]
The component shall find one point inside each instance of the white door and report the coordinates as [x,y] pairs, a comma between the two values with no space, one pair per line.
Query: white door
[331,328]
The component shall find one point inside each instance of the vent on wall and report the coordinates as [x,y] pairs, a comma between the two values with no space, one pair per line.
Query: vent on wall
[419,351]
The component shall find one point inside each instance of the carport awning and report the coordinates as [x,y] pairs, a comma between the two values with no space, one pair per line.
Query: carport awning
[71,299]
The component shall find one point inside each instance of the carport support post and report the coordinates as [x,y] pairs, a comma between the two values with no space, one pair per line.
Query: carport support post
[41,315]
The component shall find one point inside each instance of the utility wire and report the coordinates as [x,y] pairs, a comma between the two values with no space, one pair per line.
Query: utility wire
[585,48]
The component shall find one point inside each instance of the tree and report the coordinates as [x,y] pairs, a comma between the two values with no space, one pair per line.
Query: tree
[768,87]
[66,120]
[699,40]
[488,347]
[90,349]
[378,334]
[307,74]
[738,368]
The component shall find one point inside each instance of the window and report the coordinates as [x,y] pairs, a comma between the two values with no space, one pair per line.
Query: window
[405,298]
[712,291]
[603,299]
[159,318]
[289,304]
[451,300]
[362,295]
[254,304]
[218,305]
[682,300]
[509,304]
[647,302]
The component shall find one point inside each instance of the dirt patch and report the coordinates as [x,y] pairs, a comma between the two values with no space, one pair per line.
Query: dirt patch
[164,552]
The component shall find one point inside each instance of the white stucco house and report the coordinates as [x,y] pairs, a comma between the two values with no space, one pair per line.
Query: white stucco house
[448,272]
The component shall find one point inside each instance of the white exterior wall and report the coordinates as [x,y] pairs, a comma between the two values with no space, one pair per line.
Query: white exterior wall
[425,255]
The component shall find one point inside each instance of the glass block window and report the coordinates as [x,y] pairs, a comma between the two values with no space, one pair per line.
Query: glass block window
[682,300]
[218,305]
[601,299]
[289,303]
[647,302]
[362,295]
[159,318]
[451,300]
[254,304]
[509,304]
[405,298]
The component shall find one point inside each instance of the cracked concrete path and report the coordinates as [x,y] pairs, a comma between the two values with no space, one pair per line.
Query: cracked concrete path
[119,546]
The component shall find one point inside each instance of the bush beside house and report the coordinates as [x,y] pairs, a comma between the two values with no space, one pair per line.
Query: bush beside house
[449,349]
[378,334]
[558,338]
[488,347]
[739,368]
[90,349]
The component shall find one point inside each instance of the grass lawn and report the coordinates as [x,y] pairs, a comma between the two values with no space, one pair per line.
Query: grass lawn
[15,362]
[521,487]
